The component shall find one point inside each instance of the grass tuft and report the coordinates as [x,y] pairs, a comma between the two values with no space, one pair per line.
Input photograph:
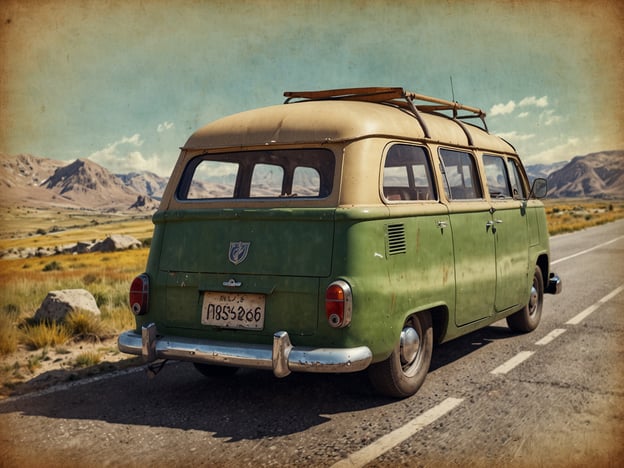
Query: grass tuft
[45,334]
[87,359]
[86,326]
[9,337]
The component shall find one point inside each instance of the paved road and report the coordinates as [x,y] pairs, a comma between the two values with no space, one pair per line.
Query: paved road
[554,397]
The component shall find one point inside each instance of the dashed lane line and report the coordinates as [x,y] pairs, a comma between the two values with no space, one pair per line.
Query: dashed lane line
[550,337]
[583,252]
[592,308]
[394,438]
[513,362]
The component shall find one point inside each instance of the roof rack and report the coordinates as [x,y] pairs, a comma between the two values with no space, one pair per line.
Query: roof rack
[396,97]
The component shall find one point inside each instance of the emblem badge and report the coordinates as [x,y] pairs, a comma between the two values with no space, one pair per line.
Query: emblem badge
[238,251]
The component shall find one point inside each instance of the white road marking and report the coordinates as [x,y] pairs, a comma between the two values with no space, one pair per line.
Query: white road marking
[513,362]
[582,252]
[581,316]
[550,337]
[394,438]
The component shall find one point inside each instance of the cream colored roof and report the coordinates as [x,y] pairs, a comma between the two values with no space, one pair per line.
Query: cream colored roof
[334,120]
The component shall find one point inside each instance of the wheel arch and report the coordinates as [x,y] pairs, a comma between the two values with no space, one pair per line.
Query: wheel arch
[543,263]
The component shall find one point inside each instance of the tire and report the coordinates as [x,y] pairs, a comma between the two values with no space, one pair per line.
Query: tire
[401,376]
[528,318]
[209,370]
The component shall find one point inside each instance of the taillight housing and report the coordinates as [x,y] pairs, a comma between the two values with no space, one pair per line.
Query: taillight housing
[338,304]
[139,294]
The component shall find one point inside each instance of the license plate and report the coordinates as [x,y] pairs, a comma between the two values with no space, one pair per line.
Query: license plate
[239,311]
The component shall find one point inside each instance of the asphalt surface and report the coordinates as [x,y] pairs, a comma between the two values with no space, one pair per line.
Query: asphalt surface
[554,397]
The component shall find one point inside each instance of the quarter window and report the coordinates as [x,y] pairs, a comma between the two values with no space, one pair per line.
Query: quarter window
[407,174]
[460,175]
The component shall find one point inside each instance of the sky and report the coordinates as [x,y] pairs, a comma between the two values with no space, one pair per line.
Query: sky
[124,83]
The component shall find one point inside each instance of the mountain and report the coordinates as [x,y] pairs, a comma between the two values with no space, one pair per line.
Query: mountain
[595,175]
[145,182]
[543,170]
[40,182]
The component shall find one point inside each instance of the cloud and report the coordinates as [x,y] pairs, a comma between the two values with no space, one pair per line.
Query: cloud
[123,156]
[164,126]
[562,151]
[522,115]
[502,109]
[549,117]
[533,101]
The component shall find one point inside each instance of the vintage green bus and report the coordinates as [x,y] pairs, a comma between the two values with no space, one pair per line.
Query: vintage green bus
[339,231]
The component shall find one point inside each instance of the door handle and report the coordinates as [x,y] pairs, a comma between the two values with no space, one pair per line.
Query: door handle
[442,224]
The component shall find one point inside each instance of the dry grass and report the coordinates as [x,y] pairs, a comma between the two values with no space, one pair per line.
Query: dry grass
[24,284]
[573,215]
[44,335]
[87,359]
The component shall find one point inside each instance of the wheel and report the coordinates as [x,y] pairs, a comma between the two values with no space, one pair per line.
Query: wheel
[402,374]
[528,318]
[215,371]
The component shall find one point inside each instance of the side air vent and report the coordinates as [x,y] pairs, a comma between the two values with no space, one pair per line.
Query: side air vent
[396,239]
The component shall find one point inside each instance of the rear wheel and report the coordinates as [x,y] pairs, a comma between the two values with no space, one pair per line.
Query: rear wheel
[402,374]
[215,371]
[529,317]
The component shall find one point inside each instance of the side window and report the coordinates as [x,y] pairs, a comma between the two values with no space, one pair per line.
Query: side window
[517,187]
[407,174]
[460,175]
[496,175]
[266,181]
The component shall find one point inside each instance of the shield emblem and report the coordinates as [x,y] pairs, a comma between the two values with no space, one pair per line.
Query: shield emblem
[238,251]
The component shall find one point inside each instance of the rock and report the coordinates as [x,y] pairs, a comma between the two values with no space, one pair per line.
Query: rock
[116,242]
[58,304]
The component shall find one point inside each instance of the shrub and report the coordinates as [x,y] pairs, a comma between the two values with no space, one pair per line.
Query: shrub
[45,334]
[53,266]
[87,359]
[86,325]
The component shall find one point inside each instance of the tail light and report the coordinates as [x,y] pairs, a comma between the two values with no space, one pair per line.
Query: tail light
[139,294]
[338,304]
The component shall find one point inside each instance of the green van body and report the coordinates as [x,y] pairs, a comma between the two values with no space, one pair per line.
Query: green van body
[406,252]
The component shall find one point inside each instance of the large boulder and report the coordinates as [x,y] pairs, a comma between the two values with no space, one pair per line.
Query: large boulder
[58,304]
[116,242]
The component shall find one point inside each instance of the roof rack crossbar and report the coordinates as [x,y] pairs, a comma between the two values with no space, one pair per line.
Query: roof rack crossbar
[394,96]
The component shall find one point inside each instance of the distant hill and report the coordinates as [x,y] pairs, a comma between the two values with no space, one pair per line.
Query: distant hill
[543,170]
[595,175]
[145,182]
[27,180]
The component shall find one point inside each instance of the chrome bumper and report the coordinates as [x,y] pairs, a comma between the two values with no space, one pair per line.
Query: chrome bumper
[282,358]
[554,284]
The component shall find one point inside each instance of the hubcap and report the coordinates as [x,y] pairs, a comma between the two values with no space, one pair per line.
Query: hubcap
[410,344]
[533,300]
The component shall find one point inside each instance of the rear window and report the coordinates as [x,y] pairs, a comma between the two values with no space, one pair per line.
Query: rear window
[305,173]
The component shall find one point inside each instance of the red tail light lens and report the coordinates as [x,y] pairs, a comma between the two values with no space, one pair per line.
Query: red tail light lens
[139,294]
[338,304]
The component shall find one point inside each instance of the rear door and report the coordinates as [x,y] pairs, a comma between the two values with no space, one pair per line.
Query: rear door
[244,252]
